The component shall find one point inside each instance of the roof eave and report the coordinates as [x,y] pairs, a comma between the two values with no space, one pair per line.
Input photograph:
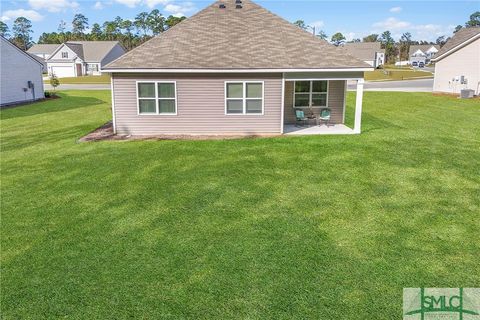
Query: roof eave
[457,47]
[233,70]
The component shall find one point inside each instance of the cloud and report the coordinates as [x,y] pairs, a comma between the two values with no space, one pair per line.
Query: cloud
[98,5]
[129,3]
[53,5]
[153,3]
[396,9]
[317,24]
[13,14]
[179,10]
[391,24]
[428,32]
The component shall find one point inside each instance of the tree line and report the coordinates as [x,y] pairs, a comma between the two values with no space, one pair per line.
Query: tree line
[393,49]
[129,33]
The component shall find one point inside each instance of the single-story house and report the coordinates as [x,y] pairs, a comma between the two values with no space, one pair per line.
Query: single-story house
[234,68]
[457,64]
[78,58]
[370,52]
[20,75]
[422,53]
[43,51]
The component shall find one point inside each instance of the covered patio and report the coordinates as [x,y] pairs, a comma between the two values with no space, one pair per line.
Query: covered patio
[314,103]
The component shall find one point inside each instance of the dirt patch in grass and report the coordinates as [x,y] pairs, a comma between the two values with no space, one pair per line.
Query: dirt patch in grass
[105,132]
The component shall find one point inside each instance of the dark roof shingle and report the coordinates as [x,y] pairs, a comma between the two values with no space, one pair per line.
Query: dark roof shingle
[458,38]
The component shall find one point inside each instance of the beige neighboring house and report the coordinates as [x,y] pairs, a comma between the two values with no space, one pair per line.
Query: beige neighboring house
[234,68]
[43,52]
[370,52]
[79,58]
[457,64]
[20,75]
[422,53]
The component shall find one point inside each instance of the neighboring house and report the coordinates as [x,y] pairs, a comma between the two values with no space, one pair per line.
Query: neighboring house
[20,75]
[457,64]
[422,53]
[233,68]
[43,51]
[370,52]
[79,58]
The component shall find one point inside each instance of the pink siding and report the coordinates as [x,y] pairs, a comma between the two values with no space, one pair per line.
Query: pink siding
[336,97]
[200,106]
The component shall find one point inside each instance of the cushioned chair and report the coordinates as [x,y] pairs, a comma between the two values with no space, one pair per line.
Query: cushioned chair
[300,117]
[325,116]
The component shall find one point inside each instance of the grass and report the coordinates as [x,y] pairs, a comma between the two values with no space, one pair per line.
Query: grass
[321,227]
[396,74]
[83,80]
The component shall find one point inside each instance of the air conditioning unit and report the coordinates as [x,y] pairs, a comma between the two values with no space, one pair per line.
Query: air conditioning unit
[466,93]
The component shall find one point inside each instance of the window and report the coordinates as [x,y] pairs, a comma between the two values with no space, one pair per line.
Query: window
[92,67]
[310,94]
[157,98]
[244,97]
[64,54]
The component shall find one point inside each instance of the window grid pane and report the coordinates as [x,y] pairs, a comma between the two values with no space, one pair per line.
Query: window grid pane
[302,99]
[254,90]
[146,90]
[166,90]
[319,86]
[254,106]
[166,106]
[234,90]
[235,106]
[147,106]
[302,86]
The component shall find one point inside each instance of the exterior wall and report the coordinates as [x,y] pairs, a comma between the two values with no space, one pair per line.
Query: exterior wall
[336,98]
[16,69]
[463,62]
[200,106]
[115,53]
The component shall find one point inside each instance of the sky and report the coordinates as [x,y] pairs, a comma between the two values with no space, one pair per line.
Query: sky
[425,20]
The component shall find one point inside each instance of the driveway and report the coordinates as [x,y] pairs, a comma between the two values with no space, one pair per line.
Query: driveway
[421,85]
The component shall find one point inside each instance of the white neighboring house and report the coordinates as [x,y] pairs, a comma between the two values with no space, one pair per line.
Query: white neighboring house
[79,58]
[457,64]
[20,75]
[43,52]
[423,53]
[370,52]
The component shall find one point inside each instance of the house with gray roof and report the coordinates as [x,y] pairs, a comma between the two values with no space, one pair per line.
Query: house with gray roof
[370,52]
[457,64]
[234,68]
[79,58]
[422,53]
[43,52]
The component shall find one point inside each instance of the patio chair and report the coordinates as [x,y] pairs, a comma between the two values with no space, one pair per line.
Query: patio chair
[300,117]
[325,116]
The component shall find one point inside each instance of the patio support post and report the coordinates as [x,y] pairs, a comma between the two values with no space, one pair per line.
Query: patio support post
[358,107]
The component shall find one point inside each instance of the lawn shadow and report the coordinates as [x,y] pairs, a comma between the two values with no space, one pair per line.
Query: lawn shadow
[43,107]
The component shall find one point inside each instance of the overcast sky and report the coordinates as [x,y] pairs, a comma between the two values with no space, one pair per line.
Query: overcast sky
[425,20]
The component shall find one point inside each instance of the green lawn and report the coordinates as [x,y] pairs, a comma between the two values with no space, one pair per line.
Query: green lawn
[83,80]
[396,74]
[318,227]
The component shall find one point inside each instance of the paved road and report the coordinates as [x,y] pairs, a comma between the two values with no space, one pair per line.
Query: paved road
[422,85]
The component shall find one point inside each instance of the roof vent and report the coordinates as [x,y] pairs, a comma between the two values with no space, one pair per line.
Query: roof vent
[238,6]
[222,6]
[238,1]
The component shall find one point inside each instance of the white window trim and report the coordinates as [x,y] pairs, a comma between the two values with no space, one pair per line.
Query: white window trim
[156,113]
[244,98]
[310,94]
[65,53]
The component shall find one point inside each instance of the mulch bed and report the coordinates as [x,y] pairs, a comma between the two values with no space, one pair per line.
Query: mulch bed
[105,132]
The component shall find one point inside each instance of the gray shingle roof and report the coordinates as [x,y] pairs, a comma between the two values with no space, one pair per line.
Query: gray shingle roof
[94,51]
[423,47]
[43,48]
[230,38]
[363,50]
[458,38]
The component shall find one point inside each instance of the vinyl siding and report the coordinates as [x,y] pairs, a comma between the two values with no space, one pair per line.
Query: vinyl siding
[464,62]
[200,106]
[336,96]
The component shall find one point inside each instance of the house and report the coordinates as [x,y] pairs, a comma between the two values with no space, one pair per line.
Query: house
[78,58]
[457,64]
[370,52]
[234,68]
[43,51]
[422,53]
[20,75]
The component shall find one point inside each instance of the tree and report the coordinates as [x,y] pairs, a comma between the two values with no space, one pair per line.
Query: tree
[141,22]
[457,28]
[22,28]
[156,22]
[389,45]
[338,38]
[441,40]
[355,40]
[301,24]
[474,20]
[405,42]
[371,38]
[54,82]
[110,30]
[171,21]
[79,24]
[4,31]
[322,35]
[61,30]
[96,32]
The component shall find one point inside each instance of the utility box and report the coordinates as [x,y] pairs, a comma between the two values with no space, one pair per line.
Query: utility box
[466,93]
